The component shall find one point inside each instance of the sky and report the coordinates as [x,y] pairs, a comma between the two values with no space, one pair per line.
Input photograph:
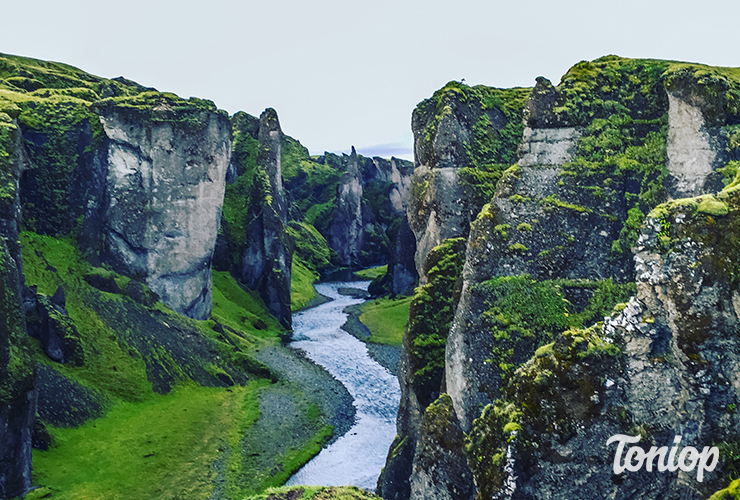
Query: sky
[343,73]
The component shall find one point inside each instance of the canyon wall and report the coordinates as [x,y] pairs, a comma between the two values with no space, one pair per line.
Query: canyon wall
[550,251]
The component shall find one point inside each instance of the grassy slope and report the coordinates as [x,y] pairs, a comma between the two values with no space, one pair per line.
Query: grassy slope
[372,272]
[301,285]
[150,445]
[315,493]
[386,319]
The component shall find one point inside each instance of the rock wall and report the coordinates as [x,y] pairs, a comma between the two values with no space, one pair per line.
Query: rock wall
[267,254]
[615,139]
[17,365]
[165,187]
[346,233]
[663,366]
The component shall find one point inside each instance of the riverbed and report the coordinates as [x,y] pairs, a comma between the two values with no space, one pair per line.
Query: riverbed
[357,457]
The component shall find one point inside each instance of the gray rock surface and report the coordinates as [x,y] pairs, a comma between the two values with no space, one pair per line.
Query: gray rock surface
[165,188]
[346,233]
[267,255]
[18,395]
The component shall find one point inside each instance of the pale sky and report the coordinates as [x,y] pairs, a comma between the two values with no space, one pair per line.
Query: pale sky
[342,73]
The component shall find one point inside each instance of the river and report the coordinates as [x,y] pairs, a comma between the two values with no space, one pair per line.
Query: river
[357,457]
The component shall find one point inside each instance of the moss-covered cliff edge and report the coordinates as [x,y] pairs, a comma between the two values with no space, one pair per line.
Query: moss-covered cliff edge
[550,251]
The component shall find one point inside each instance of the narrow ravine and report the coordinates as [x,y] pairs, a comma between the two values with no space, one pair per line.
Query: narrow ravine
[357,457]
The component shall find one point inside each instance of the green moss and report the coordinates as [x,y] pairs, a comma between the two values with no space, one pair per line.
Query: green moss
[730,174]
[431,312]
[487,444]
[310,245]
[517,248]
[516,198]
[524,227]
[554,201]
[372,273]
[523,314]
[732,492]
[712,206]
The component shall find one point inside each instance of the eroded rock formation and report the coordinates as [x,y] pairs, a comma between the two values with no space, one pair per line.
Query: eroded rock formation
[165,185]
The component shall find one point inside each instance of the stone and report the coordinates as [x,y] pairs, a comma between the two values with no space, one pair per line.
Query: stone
[165,189]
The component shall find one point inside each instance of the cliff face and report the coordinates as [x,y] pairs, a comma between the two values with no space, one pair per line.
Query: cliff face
[347,229]
[17,365]
[663,366]
[267,253]
[551,251]
[165,184]
[463,139]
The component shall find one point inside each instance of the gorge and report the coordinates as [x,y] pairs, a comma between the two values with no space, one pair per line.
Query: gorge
[575,248]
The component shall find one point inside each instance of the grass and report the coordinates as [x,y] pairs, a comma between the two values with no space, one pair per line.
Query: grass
[386,319]
[301,285]
[147,445]
[161,448]
[240,309]
[372,272]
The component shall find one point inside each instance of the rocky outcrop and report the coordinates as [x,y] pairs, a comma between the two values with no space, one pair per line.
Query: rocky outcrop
[615,139]
[439,459]
[697,144]
[445,194]
[165,187]
[664,366]
[48,321]
[401,265]
[266,257]
[346,233]
[17,365]
[438,210]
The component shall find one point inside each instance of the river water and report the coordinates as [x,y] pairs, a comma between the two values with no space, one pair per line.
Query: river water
[357,457]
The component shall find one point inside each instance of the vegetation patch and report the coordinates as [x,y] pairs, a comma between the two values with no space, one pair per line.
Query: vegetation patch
[431,312]
[386,319]
[301,285]
[161,448]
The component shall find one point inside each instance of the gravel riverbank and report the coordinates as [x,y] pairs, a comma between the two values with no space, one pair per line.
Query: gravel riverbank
[318,384]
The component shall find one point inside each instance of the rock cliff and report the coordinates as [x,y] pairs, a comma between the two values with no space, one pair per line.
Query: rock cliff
[17,365]
[267,253]
[549,251]
[347,229]
[166,169]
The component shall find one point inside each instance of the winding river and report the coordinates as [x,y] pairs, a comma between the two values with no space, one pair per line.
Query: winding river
[357,457]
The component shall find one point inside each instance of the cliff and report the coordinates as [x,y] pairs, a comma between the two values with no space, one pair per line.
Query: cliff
[255,244]
[549,252]
[113,197]
[166,167]
[17,365]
